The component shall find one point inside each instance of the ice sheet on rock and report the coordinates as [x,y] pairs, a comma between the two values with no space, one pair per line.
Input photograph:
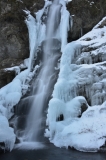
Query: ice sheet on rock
[56,108]
[16,69]
[12,92]
[64,90]
[10,95]
[96,37]
[41,27]
[41,33]
[22,76]
[85,134]
[3,111]
[64,25]
[70,51]
[65,86]
[88,132]
[26,62]
[32,29]
[12,99]
[6,134]
[40,13]
[73,107]
[37,31]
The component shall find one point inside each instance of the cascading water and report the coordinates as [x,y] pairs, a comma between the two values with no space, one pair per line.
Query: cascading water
[51,46]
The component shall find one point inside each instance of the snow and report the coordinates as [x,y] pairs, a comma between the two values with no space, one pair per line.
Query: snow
[10,95]
[79,72]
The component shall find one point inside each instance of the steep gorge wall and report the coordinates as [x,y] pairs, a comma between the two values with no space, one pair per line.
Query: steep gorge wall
[86,14]
[14,45]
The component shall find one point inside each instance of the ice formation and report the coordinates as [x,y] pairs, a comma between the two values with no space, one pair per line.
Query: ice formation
[73,120]
[10,95]
[53,11]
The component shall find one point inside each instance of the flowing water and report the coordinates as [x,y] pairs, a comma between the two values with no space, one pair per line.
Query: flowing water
[30,136]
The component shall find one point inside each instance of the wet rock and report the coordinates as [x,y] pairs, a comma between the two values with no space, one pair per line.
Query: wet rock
[14,43]
[6,77]
[10,62]
[103,148]
[83,107]
[2,147]
[60,118]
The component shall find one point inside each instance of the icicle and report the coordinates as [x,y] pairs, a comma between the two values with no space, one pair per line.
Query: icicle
[64,26]
[32,29]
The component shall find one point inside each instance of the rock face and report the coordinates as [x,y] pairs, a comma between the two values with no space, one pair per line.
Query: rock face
[14,45]
[92,83]
[86,14]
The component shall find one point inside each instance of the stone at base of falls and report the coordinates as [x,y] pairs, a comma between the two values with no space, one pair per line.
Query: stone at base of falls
[103,148]
[2,147]
[6,77]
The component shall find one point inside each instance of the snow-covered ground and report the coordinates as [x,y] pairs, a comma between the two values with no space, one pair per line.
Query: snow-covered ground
[81,84]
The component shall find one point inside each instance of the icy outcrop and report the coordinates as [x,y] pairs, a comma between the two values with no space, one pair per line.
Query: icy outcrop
[77,112]
[7,136]
[38,28]
[10,95]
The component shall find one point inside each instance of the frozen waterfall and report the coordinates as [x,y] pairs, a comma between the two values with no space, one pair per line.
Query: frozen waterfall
[48,33]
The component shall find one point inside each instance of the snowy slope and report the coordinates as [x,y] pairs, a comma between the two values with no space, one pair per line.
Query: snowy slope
[77,112]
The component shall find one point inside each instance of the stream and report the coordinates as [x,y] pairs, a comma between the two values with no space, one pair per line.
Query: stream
[50,152]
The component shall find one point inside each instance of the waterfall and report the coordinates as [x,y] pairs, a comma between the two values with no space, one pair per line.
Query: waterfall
[52,29]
